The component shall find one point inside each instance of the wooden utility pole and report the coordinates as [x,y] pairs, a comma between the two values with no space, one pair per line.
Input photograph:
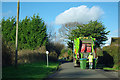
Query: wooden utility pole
[16,54]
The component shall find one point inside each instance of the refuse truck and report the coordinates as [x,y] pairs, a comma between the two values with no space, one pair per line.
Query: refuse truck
[82,47]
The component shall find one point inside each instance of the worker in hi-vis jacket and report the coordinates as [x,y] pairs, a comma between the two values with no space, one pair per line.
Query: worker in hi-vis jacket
[90,57]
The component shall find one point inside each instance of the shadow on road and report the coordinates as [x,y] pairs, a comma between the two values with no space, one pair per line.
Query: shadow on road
[64,61]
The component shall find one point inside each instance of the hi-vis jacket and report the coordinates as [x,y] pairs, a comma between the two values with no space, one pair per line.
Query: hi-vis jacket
[90,57]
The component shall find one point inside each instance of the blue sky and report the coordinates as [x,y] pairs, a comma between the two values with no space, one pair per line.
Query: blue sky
[49,10]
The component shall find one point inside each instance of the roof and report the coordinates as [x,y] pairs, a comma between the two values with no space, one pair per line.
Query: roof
[115,41]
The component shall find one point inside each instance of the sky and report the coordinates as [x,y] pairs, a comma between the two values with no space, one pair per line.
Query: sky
[56,13]
[61,0]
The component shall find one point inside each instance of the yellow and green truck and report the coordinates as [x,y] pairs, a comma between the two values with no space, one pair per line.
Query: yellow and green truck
[82,47]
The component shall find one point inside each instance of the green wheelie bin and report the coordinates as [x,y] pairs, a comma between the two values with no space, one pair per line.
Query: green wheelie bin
[83,62]
[94,63]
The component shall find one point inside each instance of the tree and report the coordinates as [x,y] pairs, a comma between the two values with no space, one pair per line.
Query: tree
[66,29]
[31,33]
[51,32]
[93,28]
[57,47]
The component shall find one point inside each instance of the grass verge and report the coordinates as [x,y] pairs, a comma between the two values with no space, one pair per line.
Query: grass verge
[114,68]
[106,68]
[31,70]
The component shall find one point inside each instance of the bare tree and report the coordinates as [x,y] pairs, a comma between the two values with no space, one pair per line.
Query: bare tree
[66,29]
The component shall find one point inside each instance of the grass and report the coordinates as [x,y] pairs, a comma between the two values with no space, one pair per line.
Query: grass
[115,69]
[31,70]
[107,68]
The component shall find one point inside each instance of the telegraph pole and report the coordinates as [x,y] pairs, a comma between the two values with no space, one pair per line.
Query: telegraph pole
[16,54]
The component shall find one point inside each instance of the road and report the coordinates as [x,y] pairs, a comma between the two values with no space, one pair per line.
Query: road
[67,70]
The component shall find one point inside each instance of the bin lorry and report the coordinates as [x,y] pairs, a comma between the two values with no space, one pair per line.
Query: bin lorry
[82,47]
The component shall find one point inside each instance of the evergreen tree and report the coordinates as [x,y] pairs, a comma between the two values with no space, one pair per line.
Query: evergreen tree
[94,29]
[31,32]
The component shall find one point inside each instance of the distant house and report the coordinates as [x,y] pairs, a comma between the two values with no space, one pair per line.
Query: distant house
[115,41]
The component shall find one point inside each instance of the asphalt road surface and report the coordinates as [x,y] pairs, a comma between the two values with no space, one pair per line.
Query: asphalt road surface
[67,70]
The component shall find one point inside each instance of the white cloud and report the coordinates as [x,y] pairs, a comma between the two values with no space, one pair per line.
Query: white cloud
[81,14]
[107,43]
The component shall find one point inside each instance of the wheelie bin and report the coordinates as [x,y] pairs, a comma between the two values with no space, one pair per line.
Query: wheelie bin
[83,63]
[94,63]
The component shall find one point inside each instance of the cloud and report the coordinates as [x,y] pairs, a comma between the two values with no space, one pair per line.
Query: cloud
[81,14]
[107,43]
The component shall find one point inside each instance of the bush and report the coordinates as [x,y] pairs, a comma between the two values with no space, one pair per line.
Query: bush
[112,51]
[38,55]
[53,56]
[29,56]
[63,51]
[55,47]
[99,52]
[25,55]
[8,53]
[41,49]
[70,54]
[66,53]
